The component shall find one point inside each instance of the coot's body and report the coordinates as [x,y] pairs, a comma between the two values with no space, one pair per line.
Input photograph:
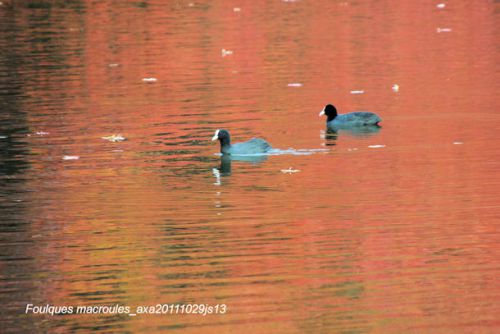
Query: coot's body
[350,120]
[252,146]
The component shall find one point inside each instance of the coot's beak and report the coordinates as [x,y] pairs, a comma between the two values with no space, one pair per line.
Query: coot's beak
[216,136]
[322,112]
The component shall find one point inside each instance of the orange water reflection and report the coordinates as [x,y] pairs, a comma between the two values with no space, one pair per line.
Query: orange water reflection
[401,238]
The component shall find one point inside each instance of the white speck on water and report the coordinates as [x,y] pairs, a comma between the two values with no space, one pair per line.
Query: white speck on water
[191,4]
[225,52]
[440,5]
[443,30]
[290,170]
[357,91]
[149,80]
[236,9]
[352,149]
[376,146]
[458,143]
[114,138]
[117,151]
[70,157]
[3,137]
[113,65]
[395,88]
[41,133]
[294,84]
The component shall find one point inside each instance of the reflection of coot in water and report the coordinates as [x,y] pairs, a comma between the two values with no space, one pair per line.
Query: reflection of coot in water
[332,134]
[226,160]
[331,137]
[358,119]
[362,131]
[252,146]
[225,165]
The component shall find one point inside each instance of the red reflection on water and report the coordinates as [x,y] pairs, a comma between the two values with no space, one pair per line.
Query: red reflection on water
[401,238]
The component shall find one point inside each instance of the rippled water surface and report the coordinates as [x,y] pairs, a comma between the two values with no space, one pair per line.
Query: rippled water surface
[387,231]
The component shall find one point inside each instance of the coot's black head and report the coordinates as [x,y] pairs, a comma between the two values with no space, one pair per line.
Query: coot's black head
[221,135]
[330,111]
[225,141]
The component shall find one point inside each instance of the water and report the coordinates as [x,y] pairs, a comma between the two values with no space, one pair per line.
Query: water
[390,231]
